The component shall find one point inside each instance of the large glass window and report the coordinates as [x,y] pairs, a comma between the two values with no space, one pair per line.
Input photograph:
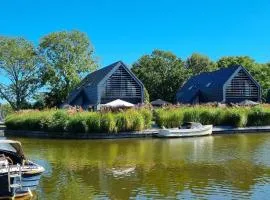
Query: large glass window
[121,85]
[242,86]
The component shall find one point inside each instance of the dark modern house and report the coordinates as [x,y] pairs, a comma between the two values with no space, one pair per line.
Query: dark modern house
[115,81]
[226,85]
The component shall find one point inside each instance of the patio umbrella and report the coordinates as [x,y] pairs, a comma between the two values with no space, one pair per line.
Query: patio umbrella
[159,102]
[119,103]
[248,103]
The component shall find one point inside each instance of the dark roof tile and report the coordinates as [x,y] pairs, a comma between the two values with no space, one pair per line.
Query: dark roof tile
[206,82]
[93,79]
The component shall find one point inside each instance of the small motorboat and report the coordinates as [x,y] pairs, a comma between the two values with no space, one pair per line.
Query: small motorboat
[18,176]
[189,129]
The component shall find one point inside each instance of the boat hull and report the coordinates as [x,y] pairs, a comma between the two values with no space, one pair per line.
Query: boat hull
[181,133]
[29,182]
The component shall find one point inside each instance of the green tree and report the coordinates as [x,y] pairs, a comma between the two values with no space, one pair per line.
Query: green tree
[162,73]
[39,100]
[68,57]
[20,66]
[245,61]
[198,63]
[263,74]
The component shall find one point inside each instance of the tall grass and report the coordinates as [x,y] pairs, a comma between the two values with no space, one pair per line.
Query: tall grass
[237,116]
[80,122]
[258,117]
[135,119]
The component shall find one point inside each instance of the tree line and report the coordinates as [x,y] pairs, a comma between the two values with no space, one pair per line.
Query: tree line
[44,75]
[162,72]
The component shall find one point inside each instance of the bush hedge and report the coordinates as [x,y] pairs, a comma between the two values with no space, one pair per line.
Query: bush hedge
[135,119]
[236,116]
[80,121]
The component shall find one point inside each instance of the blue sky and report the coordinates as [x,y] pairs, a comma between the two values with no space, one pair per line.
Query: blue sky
[125,30]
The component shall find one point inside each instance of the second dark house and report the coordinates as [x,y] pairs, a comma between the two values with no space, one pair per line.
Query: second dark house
[113,82]
[227,85]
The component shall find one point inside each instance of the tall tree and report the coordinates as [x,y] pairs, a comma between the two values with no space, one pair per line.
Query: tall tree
[68,56]
[198,63]
[20,65]
[162,73]
[245,61]
[262,75]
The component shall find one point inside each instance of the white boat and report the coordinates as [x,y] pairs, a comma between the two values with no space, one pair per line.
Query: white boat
[190,129]
[18,175]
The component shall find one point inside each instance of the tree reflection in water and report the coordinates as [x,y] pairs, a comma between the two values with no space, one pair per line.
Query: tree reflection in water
[217,166]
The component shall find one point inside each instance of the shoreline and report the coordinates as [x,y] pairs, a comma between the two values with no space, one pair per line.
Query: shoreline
[149,133]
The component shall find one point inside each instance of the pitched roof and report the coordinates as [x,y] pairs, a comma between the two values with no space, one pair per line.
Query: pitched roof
[218,77]
[207,82]
[93,79]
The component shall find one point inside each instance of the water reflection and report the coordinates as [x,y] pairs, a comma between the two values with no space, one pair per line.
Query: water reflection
[232,166]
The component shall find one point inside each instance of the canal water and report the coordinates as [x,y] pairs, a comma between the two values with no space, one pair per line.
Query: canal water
[214,167]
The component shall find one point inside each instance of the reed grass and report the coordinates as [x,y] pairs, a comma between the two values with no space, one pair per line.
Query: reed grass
[73,122]
[80,121]
[235,116]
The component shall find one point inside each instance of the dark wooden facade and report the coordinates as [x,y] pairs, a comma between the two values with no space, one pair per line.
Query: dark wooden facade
[227,85]
[113,82]
[121,85]
[241,88]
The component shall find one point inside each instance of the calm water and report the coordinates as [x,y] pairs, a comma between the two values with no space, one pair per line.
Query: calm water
[215,167]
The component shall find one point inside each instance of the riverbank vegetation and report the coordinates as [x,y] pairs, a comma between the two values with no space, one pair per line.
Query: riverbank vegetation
[74,121]
[78,121]
[228,116]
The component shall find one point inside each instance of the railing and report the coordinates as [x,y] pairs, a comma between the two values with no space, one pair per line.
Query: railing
[14,178]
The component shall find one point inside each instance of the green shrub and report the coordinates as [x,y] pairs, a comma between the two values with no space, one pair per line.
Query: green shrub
[107,123]
[13,122]
[192,115]
[46,120]
[77,124]
[211,116]
[147,117]
[173,117]
[131,120]
[32,122]
[138,123]
[169,117]
[161,117]
[59,121]
[234,117]
[120,123]
[84,122]
[93,122]
[258,117]
[134,119]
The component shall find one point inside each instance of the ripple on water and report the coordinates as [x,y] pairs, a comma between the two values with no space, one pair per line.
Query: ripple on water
[233,167]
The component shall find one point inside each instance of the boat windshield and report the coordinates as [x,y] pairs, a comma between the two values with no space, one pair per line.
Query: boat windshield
[190,125]
[7,147]
[12,146]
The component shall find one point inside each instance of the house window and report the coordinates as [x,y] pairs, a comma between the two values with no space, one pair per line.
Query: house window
[241,86]
[121,85]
